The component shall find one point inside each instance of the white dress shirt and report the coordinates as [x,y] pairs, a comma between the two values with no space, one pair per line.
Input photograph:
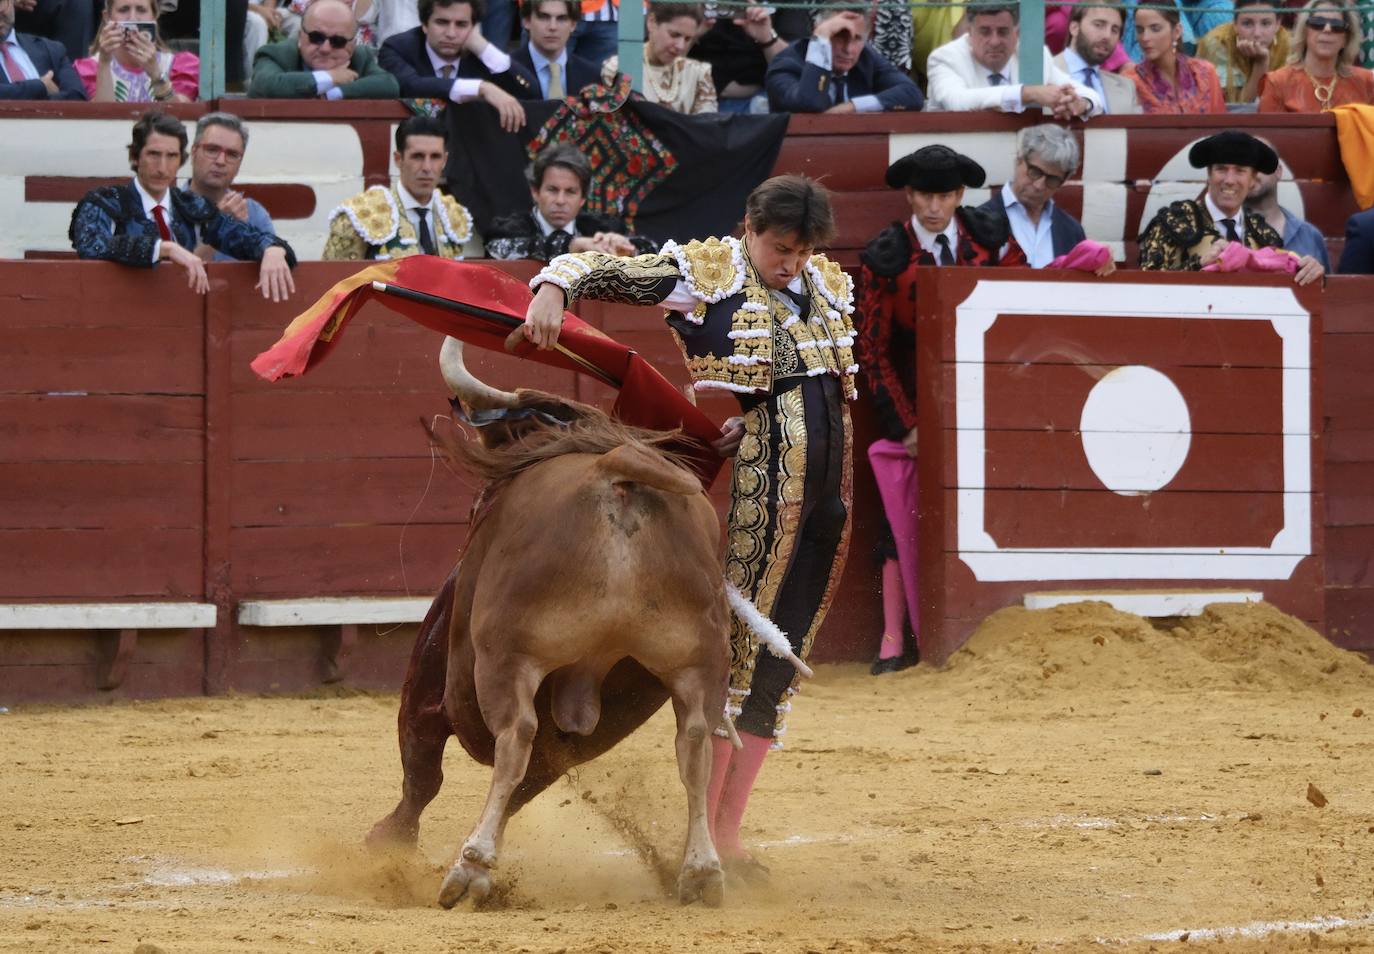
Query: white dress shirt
[928,238]
[681,298]
[148,204]
[464,89]
[1034,238]
[1217,215]
[1086,74]
[818,53]
[541,68]
[409,204]
[546,227]
[958,82]
[24,61]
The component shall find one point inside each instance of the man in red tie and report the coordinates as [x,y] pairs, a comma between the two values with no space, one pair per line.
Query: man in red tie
[149,220]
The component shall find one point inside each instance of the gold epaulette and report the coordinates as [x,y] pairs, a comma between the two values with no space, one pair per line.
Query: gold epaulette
[833,282]
[712,269]
[458,221]
[373,214]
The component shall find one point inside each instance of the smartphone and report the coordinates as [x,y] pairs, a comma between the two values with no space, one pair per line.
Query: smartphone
[146,26]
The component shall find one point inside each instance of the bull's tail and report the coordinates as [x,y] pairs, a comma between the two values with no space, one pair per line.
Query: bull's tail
[636,463]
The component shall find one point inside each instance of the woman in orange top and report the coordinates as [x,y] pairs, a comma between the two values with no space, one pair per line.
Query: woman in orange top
[1166,80]
[1321,72]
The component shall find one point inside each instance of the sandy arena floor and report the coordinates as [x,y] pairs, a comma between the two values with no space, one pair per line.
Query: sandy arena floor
[1075,780]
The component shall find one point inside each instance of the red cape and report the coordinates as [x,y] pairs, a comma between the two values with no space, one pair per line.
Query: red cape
[647,399]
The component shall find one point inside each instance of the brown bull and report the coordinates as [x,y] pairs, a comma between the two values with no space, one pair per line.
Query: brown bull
[590,592]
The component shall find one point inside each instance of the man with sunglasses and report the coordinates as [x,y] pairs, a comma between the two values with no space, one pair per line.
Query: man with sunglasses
[1046,156]
[324,61]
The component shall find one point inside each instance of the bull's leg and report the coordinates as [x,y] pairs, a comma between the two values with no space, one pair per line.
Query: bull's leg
[701,875]
[423,727]
[508,709]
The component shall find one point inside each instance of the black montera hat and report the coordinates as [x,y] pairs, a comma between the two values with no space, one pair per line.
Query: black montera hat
[1233,147]
[935,169]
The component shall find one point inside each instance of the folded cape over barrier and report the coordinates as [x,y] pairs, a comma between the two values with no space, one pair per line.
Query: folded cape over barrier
[647,399]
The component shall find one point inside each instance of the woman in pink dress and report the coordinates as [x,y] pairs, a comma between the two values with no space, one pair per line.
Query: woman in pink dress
[1167,80]
[129,65]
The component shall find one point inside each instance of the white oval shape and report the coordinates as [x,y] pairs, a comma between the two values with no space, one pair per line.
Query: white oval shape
[1136,430]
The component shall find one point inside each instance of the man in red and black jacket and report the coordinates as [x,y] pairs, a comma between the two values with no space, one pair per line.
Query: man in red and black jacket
[940,232]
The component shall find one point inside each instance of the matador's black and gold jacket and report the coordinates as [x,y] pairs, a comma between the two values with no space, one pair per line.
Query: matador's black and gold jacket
[740,337]
[1182,232]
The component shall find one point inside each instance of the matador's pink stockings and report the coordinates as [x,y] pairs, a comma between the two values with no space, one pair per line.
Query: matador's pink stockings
[732,779]
[894,611]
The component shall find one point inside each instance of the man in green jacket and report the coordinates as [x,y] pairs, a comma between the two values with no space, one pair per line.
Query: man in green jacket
[323,62]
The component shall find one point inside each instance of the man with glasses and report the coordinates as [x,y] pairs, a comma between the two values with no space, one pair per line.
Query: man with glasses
[1046,156]
[216,155]
[324,61]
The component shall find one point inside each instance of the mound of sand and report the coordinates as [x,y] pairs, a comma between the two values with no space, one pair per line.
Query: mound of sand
[1086,646]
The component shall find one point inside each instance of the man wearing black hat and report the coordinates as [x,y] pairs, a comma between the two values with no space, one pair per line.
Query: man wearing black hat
[1191,233]
[940,231]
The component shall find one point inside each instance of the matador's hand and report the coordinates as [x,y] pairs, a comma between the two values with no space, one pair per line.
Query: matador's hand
[544,318]
[731,433]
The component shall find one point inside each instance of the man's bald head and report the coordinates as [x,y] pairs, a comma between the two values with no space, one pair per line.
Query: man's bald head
[325,24]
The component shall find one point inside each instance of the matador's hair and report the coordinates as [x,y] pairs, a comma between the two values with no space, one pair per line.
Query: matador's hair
[792,205]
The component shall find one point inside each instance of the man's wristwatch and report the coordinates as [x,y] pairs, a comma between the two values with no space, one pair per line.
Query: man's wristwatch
[768,42]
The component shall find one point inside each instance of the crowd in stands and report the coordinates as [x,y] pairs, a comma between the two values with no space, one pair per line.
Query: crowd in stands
[1111,59]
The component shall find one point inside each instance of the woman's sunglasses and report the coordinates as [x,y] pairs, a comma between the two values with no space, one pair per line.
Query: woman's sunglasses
[318,38]
[1327,23]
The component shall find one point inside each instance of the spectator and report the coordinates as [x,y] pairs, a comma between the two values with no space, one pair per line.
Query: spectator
[216,155]
[1247,48]
[1203,17]
[130,65]
[672,79]
[149,220]
[560,179]
[69,22]
[739,47]
[324,61]
[1358,256]
[598,32]
[32,67]
[387,18]
[931,28]
[559,72]
[409,218]
[1094,33]
[1298,236]
[979,71]
[446,57]
[1166,80]
[1057,19]
[1046,156]
[1320,73]
[1188,235]
[836,71]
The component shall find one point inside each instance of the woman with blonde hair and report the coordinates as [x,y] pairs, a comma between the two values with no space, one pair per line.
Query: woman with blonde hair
[131,65]
[1166,80]
[1321,72]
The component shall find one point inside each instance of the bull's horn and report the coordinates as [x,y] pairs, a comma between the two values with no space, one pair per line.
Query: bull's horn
[464,386]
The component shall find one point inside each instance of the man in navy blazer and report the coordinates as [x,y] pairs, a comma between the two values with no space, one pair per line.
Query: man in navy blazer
[32,67]
[550,23]
[446,57]
[1046,156]
[1358,256]
[836,71]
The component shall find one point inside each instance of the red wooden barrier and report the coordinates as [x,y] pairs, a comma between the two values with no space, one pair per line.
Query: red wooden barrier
[141,459]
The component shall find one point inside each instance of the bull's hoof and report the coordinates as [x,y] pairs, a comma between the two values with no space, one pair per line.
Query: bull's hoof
[390,834]
[705,884]
[465,880]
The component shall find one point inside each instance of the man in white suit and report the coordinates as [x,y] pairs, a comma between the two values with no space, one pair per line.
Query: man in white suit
[1093,34]
[979,71]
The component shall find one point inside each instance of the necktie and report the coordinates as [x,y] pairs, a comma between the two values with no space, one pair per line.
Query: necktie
[801,299]
[447,71]
[1231,234]
[1094,83]
[12,67]
[946,256]
[996,79]
[426,239]
[839,88]
[555,81]
[163,229]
